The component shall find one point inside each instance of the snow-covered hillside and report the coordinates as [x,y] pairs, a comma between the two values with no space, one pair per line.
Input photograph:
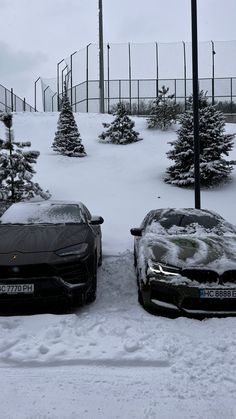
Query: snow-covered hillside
[111,359]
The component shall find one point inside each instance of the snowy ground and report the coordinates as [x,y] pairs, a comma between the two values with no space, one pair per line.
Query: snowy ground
[112,359]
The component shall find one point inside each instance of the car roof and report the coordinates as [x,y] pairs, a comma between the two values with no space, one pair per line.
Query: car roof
[48,202]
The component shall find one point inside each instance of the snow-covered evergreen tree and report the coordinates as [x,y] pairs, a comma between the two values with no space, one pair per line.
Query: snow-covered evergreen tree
[67,139]
[213,144]
[121,130]
[163,110]
[16,171]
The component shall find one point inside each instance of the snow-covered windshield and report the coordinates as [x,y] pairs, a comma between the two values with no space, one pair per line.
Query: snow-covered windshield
[189,222]
[43,213]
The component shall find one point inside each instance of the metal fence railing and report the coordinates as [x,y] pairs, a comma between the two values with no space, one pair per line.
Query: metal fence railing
[139,94]
[133,72]
[13,103]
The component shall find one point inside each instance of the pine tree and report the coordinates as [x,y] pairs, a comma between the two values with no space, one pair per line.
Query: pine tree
[16,169]
[67,139]
[213,143]
[120,131]
[163,110]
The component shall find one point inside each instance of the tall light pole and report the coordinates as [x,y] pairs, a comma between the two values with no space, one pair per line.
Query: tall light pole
[130,75]
[101,57]
[185,75]
[108,78]
[71,75]
[213,71]
[157,69]
[35,94]
[195,105]
[58,85]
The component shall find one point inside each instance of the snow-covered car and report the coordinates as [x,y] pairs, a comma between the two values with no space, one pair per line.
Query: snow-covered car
[186,263]
[49,253]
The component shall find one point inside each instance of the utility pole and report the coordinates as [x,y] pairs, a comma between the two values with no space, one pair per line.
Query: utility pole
[195,106]
[101,58]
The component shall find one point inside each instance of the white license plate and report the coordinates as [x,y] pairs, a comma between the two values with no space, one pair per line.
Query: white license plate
[217,293]
[16,288]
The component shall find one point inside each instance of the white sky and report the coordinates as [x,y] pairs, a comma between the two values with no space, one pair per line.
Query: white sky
[35,34]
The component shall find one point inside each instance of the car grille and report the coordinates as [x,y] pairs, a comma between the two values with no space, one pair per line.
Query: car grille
[26,271]
[74,272]
[209,276]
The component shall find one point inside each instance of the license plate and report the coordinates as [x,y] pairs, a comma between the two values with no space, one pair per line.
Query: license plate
[16,288]
[217,293]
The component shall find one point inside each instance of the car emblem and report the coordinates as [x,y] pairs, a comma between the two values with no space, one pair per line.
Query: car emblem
[14,257]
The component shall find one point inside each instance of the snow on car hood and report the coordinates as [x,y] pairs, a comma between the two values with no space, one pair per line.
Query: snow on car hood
[192,247]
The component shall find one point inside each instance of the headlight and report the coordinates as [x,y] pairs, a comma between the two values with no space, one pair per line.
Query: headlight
[161,269]
[76,250]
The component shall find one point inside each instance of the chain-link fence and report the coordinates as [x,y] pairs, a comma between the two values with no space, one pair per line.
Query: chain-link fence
[134,72]
[139,94]
[13,103]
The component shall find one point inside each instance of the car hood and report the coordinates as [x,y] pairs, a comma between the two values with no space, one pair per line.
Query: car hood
[214,252]
[41,238]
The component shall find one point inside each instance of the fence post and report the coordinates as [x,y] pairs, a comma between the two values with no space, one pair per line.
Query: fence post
[175,90]
[87,75]
[75,100]
[231,94]
[5,99]
[12,105]
[119,90]
[24,105]
[138,95]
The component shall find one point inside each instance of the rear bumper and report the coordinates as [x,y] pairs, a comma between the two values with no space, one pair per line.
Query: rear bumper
[180,300]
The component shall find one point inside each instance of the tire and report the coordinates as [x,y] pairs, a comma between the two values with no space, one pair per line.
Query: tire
[135,259]
[100,256]
[92,292]
[140,296]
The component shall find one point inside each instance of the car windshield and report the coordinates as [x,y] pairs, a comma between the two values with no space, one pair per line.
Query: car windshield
[43,214]
[180,222]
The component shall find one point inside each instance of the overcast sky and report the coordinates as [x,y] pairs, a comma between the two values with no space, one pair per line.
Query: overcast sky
[36,34]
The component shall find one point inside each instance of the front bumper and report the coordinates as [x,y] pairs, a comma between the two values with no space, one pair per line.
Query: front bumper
[51,294]
[183,300]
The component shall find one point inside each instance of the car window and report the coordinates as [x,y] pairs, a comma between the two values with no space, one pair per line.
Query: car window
[43,213]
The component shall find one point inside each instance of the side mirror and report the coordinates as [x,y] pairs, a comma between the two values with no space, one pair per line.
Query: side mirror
[96,220]
[136,232]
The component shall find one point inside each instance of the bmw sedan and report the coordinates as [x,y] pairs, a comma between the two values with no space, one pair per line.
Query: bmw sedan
[49,253]
[186,263]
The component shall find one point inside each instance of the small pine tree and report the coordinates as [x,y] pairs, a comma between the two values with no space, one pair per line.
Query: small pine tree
[120,131]
[213,143]
[67,139]
[16,170]
[163,110]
